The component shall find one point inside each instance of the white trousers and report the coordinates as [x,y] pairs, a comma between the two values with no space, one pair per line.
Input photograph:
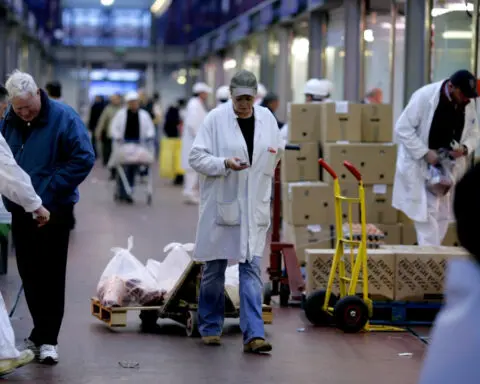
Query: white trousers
[190,183]
[452,355]
[7,337]
[433,231]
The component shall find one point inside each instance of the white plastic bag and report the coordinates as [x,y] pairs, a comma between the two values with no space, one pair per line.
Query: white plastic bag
[126,281]
[168,272]
[130,154]
[440,178]
[7,337]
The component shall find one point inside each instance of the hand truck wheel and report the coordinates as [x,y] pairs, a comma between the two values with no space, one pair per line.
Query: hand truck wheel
[284,295]
[351,314]
[191,324]
[267,293]
[313,308]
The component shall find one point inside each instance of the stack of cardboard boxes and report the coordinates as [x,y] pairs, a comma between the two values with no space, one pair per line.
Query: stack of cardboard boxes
[359,133]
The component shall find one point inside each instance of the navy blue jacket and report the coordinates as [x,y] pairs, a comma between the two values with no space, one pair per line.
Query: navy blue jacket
[54,150]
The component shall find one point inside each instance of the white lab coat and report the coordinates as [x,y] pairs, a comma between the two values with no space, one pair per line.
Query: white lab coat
[15,184]
[411,134]
[118,125]
[234,205]
[195,113]
[452,355]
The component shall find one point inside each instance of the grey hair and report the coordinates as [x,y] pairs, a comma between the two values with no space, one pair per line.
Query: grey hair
[244,79]
[20,84]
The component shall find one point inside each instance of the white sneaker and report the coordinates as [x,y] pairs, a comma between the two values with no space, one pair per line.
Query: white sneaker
[48,354]
[29,344]
[10,365]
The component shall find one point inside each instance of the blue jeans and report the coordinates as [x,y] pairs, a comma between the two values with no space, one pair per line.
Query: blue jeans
[211,303]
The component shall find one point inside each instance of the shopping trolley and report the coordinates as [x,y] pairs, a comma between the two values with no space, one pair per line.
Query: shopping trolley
[137,157]
[349,312]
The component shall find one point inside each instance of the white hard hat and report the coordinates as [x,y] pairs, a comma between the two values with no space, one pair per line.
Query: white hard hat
[223,93]
[318,87]
[261,90]
[201,87]
[131,96]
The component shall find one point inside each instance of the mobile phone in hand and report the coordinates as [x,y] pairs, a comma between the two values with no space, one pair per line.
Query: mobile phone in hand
[243,163]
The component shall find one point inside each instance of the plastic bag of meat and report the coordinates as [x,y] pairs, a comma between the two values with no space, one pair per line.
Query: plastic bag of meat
[440,177]
[126,281]
[168,272]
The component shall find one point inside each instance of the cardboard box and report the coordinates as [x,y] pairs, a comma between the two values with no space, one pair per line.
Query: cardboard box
[306,203]
[378,201]
[341,121]
[307,237]
[349,190]
[301,165]
[376,162]
[392,232]
[402,218]
[420,271]
[377,123]
[409,234]
[381,268]
[304,123]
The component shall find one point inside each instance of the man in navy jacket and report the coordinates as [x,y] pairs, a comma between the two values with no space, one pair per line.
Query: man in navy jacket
[50,142]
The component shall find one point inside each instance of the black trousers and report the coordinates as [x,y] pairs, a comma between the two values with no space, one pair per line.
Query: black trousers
[42,262]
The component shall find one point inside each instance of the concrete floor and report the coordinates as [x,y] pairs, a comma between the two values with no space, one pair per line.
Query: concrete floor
[91,353]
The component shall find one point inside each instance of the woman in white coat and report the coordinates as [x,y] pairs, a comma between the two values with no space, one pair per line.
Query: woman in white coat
[194,115]
[436,115]
[235,152]
[452,356]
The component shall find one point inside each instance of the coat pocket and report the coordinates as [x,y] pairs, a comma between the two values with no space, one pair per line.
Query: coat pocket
[228,213]
[262,213]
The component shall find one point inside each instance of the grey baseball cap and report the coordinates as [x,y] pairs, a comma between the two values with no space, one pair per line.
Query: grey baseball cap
[244,83]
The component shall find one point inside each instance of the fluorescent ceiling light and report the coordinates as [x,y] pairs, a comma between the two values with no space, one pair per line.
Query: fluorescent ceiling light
[399,25]
[457,35]
[107,3]
[160,6]
[229,64]
[452,8]
[368,36]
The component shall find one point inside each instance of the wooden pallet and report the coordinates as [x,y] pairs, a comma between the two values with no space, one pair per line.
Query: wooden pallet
[117,316]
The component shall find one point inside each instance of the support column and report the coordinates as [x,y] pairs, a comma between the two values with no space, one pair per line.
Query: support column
[159,67]
[354,48]
[238,55]
[149,79]
[3,51]
[418,26]
[318,39]
[219,71]
[265,78]
[13,49]
[283,81]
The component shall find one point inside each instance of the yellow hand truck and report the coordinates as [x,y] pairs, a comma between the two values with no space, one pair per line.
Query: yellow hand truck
[349,312]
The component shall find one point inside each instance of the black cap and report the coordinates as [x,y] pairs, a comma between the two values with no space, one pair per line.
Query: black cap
[466,82]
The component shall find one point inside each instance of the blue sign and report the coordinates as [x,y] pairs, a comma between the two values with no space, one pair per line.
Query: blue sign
[266,15]
[241,30]
[191,52]
[220,40]
[315,3]
[203,47]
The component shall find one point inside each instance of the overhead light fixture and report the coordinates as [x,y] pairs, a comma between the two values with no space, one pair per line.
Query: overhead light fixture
[399,25]
[457,35]
[229,64]
[455,7]
[368,36]
[159,7]
[107,3]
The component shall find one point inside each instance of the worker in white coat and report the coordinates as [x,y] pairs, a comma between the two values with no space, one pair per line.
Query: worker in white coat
[16,186]
[261,93]
[236,152]
[222,95]
[316,91]
[437,116]
[195,113]
[454,347]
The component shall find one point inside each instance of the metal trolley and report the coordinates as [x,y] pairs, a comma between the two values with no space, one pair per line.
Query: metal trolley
[349,312]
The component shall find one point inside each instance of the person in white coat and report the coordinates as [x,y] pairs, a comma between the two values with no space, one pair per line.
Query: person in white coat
[195,113]
[222,95]
[16,186]
[436,116]
[130,124]
[235,152]
[316,91]
[454,346]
